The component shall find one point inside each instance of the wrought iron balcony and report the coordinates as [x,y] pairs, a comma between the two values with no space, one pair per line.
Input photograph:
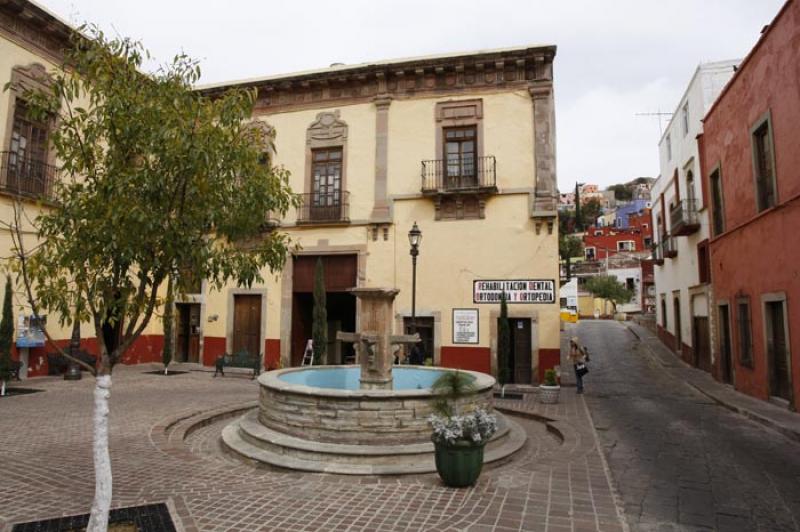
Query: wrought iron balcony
[459,175]
[684,218]
[669,248]
[25,176]
[324,208]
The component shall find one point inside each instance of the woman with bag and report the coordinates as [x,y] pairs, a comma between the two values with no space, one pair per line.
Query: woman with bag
[578,357]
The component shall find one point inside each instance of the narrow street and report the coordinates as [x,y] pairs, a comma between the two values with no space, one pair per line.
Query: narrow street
[681,461]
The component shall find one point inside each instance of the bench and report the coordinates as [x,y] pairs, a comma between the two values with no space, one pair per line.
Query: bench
[242,359]
[57,364]
[16,365]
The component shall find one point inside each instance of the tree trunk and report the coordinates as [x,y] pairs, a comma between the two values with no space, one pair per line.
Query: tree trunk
[3,391]
[98,521]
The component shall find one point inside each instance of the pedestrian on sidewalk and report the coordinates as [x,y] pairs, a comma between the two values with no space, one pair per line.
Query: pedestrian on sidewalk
[577,355]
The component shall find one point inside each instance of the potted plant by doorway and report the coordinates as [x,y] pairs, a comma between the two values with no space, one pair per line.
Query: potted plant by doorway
[550,389]
[459,438]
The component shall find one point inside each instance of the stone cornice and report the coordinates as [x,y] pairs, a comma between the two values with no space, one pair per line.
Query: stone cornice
[511,69]
[34,28]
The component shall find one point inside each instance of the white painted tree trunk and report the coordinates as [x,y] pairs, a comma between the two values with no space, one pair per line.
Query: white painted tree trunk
[3,391]
[98,521]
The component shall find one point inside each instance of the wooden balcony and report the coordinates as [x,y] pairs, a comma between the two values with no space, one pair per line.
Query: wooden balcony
[684,218]
[324,209]
[459,176]
[26,176]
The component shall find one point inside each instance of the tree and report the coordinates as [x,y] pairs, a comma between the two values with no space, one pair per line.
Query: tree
[590,211]
[503,343]
[155,178]
[608,287]
[6,338]
[568,247]
[319,326]
[169,322]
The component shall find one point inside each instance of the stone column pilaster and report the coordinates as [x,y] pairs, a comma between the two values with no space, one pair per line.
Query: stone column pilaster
[544,148]
[380,211]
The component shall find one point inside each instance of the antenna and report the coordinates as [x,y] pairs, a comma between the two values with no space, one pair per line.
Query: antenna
[658,114]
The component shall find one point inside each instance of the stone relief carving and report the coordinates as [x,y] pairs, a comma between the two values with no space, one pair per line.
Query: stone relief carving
[326,127]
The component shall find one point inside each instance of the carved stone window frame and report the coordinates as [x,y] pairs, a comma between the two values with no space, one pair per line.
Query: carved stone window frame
[328,130]
[459,113]
[32,77]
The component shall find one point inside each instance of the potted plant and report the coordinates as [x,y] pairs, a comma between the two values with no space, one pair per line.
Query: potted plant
[458,438]
[550,390]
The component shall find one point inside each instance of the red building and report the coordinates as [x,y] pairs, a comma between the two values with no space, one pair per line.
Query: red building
[599,242]
[750,159]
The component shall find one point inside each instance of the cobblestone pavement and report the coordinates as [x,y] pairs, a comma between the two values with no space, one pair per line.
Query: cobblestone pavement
[165,447]
[681,461]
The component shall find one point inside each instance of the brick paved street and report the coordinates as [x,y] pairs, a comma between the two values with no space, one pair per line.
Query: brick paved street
[682,461]
[165,448]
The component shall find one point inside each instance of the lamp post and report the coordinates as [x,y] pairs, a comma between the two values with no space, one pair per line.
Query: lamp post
[414,238]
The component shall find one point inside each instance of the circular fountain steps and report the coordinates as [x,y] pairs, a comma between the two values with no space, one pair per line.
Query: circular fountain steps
[249,439]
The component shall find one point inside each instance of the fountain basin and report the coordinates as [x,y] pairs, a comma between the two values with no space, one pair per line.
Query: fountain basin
[324,404]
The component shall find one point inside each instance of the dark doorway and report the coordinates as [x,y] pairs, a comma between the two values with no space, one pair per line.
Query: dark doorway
[425,330]
[777,352]
[521,367]
[188,337]
[247,323]
[676,305]
[340,275]
[726,361]
[701,343]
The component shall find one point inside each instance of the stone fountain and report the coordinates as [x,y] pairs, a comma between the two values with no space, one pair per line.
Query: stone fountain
[367,419]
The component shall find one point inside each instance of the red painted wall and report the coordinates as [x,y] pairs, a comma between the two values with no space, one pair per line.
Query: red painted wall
[469,358]
[759,253]
[272,357]
[548,359]
[609,238]
[213,348]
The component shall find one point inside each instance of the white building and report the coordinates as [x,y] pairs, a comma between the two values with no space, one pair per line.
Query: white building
[681,222]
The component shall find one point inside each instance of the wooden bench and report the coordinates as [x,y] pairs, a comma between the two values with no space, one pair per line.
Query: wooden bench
[16,365]
[242,359]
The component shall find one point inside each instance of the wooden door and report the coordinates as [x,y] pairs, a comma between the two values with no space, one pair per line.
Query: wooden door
[188,337]
[521,348]
[247,323]
[676,305]
[424,327]
[726,362]
[781,380]
[701,343]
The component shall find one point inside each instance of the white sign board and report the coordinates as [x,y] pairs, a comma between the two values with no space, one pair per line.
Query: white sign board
[465,326]
[518,291]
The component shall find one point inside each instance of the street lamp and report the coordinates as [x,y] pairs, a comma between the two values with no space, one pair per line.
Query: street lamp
[414,238]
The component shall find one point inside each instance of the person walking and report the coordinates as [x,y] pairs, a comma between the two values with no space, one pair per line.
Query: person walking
[578,356]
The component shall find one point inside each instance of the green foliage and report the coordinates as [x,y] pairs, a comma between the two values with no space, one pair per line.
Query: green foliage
[319,326]
[590,211]
[6,334]
[622,192]
[449,388]
[608,287]
[169,324]
[156,177]
[569,246]
[550,378]
[503,343]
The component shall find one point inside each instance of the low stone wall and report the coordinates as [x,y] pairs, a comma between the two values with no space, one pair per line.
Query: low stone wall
[356,416]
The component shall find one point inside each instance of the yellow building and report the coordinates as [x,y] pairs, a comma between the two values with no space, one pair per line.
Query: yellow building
[463,145]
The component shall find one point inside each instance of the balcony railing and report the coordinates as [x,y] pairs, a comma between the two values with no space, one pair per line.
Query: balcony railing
[318,208]
[668,246]
[684,218]
[24,176]
[459,175]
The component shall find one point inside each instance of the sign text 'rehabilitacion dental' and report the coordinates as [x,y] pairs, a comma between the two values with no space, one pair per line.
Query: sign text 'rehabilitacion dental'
[519,291]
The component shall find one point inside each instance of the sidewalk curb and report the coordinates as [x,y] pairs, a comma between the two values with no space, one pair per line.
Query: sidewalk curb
[764,421]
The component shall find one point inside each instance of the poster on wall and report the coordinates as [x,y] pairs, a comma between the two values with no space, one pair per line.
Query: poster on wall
[465,326]
[517,291]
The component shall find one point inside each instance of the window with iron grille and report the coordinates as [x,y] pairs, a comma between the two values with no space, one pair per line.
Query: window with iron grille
[763,164]
[745,332]
[327,177]
[27,156]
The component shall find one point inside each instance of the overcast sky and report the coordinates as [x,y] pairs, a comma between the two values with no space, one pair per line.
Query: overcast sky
[615,58]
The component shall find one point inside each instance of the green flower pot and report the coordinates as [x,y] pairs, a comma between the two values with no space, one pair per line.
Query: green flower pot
[459,465]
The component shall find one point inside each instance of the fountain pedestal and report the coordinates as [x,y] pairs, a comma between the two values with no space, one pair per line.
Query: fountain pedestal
[373,343]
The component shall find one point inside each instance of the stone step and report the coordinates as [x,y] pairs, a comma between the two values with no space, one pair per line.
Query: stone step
[249,439]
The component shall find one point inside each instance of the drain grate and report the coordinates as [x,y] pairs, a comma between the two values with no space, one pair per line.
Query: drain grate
[148,518]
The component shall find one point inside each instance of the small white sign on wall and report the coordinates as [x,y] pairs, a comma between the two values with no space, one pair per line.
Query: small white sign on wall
[465,326]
